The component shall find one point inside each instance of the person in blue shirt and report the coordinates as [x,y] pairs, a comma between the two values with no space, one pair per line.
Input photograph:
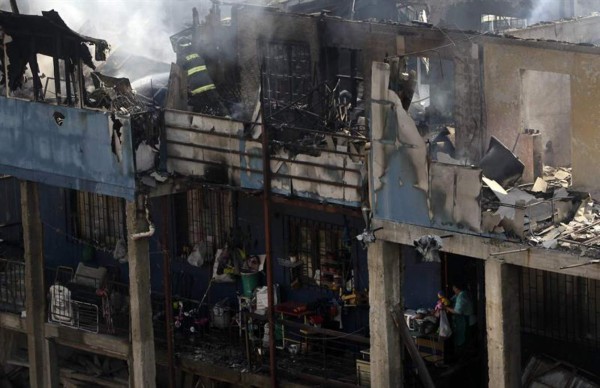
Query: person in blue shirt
[463,317]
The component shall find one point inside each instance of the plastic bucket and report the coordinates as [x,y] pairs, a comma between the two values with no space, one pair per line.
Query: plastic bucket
[249,282]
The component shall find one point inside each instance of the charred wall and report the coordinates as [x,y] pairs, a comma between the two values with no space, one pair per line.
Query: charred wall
[256,26]
[504,65]
[468,114]
[466,14]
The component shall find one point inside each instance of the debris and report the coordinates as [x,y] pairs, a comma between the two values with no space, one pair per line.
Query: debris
[540,186]
[500,164]
[548,372]
[494,186]
[159,177]
[557,177]
[429,247]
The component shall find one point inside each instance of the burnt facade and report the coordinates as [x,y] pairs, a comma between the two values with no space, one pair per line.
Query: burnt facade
[286,149]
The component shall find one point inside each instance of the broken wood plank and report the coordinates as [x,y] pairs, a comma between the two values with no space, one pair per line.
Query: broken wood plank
[410,345]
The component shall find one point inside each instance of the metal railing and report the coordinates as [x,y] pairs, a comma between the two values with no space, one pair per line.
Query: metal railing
[87,303]
[322,356]
[12,286]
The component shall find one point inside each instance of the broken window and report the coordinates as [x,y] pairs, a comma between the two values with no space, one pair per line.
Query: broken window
[205,217]
[96,218]
[343,69]
[323,249]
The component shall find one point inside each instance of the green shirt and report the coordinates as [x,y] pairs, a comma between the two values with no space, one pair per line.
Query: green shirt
[464,306]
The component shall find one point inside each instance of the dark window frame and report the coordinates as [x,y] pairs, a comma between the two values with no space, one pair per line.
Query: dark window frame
[202,213]
[96,218]
[320,246]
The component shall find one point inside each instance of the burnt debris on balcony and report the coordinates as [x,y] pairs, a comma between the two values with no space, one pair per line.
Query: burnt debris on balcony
[28,36]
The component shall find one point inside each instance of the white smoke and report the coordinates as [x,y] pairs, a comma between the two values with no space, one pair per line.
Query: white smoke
[141,27]
[545,11]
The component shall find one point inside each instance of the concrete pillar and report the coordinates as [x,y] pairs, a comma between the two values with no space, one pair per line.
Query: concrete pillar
[35,304]
[503,324]
[385,277]
[142,365]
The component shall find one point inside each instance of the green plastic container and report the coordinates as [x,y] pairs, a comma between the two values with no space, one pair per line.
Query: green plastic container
[249,282]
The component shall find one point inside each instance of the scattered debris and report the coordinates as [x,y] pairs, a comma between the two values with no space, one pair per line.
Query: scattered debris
[429,247]
[548,372]
[500,164]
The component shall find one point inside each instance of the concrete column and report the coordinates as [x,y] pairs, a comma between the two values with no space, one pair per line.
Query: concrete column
[385,277]
[142,365]
[503,324]
[35,304]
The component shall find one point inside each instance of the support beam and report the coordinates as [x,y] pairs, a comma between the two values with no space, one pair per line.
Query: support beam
[34,287]
[480,247]
[142,370]
[385,278]
[503,324]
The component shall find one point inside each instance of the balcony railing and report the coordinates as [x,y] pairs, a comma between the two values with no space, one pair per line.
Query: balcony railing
[12,286]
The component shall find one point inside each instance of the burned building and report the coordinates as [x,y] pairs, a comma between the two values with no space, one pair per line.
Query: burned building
[283,210]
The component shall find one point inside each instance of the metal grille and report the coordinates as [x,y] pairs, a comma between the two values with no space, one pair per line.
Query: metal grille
[319,246]
[97,218]
[210,217]
[561,307]
[12,286]
[287,73]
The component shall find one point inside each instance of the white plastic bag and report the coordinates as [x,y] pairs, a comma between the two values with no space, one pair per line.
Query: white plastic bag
[445,330]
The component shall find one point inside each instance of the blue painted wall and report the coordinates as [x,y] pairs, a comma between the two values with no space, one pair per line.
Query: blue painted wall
[421,280]
[76,154]
[10,211]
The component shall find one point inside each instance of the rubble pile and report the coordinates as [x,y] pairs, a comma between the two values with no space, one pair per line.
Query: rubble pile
[114,94]
[546,214]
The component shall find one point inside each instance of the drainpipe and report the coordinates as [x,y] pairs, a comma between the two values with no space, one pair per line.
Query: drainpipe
[151,229]
[266,160]
[167,291]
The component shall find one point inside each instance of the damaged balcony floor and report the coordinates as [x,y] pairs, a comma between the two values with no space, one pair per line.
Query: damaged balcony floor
[224,349]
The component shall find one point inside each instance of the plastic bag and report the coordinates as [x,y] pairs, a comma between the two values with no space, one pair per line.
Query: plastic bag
[445,330]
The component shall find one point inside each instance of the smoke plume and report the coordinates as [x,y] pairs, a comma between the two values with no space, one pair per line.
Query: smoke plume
[141,27]
[544,11]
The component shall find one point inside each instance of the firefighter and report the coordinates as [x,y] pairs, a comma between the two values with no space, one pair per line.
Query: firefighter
[202,93]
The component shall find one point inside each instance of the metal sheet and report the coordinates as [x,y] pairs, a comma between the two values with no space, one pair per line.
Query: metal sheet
[454,196]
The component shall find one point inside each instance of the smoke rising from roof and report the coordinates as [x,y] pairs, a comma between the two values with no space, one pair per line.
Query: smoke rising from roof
[544,11]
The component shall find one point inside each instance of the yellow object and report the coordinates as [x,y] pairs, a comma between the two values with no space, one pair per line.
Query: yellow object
[196,69]
[203,89]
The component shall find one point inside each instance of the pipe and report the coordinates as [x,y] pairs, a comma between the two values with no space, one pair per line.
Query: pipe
[168,297]
[151,228]
[268,260]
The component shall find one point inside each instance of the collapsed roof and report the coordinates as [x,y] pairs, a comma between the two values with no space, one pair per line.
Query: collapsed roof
[49,35]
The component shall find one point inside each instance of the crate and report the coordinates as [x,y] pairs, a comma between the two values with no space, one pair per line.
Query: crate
[363,373]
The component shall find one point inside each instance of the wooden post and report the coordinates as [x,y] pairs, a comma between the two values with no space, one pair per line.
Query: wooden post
[385,294]
[40,372]
[142,366]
